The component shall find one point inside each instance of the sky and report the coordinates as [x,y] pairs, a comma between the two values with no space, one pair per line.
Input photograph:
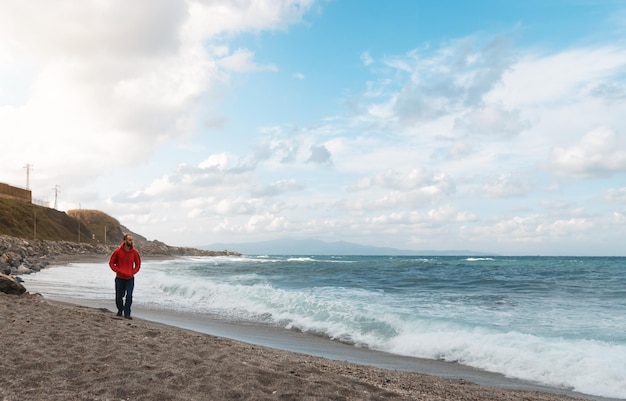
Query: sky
[493,126]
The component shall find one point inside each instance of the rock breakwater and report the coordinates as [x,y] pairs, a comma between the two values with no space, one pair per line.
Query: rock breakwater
[21,256]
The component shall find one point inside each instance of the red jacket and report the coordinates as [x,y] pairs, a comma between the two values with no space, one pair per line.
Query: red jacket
[125,263]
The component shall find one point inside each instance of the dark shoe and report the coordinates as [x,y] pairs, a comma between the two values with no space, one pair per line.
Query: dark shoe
[119,313]
[128,317]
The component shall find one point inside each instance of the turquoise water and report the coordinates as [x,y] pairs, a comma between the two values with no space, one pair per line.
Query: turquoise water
[559,321]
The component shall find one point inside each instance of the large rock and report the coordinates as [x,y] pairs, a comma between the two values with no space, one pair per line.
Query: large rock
[23,269]
[10,286]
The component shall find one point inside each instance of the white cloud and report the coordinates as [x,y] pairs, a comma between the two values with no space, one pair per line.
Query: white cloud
[366,59]
[320,155]
[447,213]
[599,152]
[278,146]
[617,195]
[540,79]
[609,91]
[242,60]
[514,229]
[266,223]
[455,77]
[567,228]
[506,185]
[275,188]
[414,179]
[122,73]
[209,19]
[91,28]
[216,161]
[491,121]
[393,190]
[234,205]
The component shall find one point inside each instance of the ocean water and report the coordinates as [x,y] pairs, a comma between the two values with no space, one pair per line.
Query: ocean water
[558,321]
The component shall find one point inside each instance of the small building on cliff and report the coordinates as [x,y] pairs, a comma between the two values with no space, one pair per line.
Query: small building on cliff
[11,192]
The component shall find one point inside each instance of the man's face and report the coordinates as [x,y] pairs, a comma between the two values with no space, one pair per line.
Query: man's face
[129,241]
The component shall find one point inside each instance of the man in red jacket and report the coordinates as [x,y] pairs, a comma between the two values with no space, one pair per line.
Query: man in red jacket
[125,262]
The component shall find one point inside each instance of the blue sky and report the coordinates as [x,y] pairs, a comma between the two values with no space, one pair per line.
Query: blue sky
[489,125]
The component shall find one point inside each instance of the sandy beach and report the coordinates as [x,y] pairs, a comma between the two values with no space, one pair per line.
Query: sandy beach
[57,351]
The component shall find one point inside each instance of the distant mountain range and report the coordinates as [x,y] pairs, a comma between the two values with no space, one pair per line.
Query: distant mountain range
[317,247]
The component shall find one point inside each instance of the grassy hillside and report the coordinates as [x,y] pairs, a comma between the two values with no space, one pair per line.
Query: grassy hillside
[106,229]
[25,220]
[88,227]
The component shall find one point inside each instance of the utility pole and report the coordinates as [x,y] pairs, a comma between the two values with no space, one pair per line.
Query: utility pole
[56,195]
[79,223]
[28,167]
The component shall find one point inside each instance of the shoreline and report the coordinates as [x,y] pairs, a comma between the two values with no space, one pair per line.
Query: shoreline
[65,351]
[293,341]
[317,346]
[403,377]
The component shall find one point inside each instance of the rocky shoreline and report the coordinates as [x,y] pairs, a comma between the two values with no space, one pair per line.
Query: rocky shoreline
[19,256]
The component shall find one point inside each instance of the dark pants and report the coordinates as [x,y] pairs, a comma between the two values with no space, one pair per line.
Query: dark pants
[124,287]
